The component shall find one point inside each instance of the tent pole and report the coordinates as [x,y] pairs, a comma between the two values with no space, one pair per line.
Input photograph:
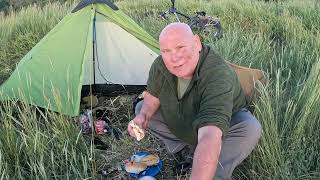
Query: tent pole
[94,41]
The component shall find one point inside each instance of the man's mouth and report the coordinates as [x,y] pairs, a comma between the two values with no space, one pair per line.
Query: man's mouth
[178,66]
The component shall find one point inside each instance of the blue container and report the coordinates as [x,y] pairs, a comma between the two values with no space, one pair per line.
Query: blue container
[151,170]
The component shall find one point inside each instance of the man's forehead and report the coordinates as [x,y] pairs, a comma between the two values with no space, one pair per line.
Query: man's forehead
[176,29]
[175,42]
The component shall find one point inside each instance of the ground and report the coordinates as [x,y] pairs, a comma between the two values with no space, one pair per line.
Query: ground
[119,112]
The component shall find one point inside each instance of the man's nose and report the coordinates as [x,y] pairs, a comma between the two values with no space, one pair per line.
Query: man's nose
[176,56]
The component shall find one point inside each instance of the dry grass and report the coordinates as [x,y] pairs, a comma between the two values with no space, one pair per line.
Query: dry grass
[119,112]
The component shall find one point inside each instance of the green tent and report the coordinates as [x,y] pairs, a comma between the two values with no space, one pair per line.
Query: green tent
[96,43]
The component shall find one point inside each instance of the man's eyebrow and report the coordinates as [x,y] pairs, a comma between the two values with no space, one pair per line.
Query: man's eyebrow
[165,49]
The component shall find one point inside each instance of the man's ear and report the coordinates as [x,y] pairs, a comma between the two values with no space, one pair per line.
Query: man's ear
[198,42]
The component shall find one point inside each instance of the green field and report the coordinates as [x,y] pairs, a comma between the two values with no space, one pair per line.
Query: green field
[281,38]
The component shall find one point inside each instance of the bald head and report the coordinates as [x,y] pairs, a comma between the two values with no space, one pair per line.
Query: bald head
[176,29]
[179,49]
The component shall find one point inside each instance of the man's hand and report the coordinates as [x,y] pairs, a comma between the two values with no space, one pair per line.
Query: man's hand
[207,153]
[142,124]
[150,105]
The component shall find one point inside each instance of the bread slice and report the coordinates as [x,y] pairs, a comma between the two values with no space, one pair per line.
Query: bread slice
[135,167]
[150,160]
[138,132]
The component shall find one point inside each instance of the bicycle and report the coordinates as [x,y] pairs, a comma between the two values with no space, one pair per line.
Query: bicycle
[199,22]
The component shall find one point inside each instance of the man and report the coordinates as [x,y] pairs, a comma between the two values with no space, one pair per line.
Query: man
[201,104]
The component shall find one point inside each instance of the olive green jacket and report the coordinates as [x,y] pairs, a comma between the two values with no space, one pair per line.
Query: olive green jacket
[211,98]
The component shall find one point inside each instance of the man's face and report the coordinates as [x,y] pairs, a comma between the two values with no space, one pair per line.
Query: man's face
[180,53]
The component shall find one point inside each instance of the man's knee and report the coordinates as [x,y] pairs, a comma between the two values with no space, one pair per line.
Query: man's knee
[243,136]
[253,129]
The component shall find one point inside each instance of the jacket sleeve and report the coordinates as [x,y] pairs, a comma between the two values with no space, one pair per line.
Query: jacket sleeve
[153,83]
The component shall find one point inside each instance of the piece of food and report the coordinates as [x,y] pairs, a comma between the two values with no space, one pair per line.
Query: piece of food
[150,160]
[138,132]
[138,163]
[135,167]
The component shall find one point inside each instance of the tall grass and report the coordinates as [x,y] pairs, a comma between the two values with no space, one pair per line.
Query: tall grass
[281,38]
[37,144]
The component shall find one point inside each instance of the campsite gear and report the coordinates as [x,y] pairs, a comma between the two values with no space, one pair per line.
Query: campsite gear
[152,170]
[100,144]
[100,127]
[90,101]
[138,132]
[95,45]
[147,178]
[199,22]
[137,99]
[248,78]
[100,114]
[102,118]
[116,133]
[86,121]
[103,115]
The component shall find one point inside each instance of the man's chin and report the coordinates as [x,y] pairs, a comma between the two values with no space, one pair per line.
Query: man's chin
[179,75]
[183,76]
[175,73]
